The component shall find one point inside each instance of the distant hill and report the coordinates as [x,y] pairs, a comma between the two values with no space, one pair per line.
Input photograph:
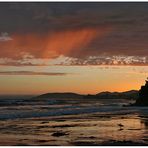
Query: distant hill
[132,94]
[61,95]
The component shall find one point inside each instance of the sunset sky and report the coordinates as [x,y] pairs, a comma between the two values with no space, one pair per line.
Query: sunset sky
[82,47]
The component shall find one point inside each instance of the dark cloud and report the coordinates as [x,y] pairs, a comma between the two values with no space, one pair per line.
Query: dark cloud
[34,17]
[74,29]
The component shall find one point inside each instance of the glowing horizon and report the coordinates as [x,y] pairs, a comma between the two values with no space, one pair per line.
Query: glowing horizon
[78,79]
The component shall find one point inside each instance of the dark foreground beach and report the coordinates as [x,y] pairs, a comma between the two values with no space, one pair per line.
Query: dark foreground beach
[75,122]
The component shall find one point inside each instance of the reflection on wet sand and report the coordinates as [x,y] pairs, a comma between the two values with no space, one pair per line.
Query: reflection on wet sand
[75,130]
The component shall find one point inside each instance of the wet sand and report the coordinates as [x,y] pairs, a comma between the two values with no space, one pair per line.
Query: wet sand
[68,130]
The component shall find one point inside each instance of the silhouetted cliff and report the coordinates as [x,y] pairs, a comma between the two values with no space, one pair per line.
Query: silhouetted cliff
[143,96]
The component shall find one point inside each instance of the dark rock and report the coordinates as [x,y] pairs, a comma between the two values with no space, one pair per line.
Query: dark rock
[59,134]
[63,126]
[84,143]
[92,137]
[42,141]
[143,96]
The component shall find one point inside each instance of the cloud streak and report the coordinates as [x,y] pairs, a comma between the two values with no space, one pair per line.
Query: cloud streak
[32,73]
[70,61]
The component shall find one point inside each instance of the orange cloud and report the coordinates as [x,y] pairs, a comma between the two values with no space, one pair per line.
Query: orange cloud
[51,44]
